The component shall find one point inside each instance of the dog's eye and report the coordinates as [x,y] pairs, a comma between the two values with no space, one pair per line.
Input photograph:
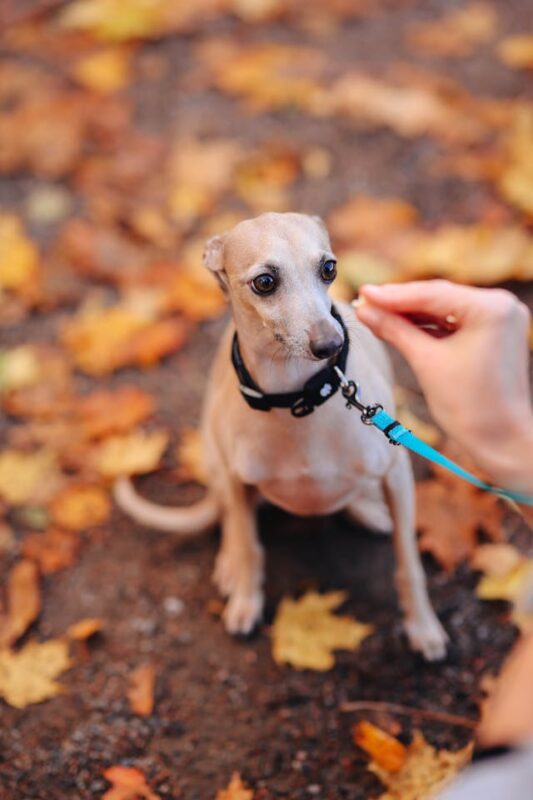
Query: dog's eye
[328,271]
[264,284]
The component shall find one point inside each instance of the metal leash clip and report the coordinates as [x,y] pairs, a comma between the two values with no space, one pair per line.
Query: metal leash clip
[350,391]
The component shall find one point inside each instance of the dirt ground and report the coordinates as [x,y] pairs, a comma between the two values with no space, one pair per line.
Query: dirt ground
[222,704]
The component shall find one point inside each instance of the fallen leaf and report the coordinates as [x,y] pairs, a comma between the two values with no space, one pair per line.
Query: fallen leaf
[517,51]
[28,675]
[514,179]
[457,33]
[305,632]
[23,602]
[132,454]
[115,20]
[84,629]
[507,576]
[102,340]
[483,254]
[199,173]
[356,267]
[236,790]
[104,71]
[496,560]
[141,690]
[450,514]
[79,507]
[28,477]
[386,751]
[128,783]
[53,550]
[189,454]
[364,220]
[19,367]
[19,259]
[424,773]
[106,412]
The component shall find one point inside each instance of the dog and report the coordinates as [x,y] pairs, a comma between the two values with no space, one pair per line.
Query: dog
[275,425]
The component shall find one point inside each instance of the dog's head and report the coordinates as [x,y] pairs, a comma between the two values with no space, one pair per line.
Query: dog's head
[277,269]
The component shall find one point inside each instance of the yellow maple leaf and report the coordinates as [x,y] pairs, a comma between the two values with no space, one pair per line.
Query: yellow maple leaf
[132,454]
[28,675]
[507,577]
[19,367]
[28,477]
[19,260]
[236,790]
[104,71]
[305,632]
[424,773]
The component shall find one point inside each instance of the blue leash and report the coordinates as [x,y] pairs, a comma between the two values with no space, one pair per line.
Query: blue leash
[397,434]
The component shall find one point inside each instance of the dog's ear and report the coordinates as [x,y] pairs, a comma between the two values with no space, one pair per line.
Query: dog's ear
[214,260]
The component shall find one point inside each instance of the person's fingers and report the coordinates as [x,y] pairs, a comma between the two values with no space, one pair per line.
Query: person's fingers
[438,297]
[396,330]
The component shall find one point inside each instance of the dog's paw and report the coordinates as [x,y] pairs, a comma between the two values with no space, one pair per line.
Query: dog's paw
[243,612]
[427,636]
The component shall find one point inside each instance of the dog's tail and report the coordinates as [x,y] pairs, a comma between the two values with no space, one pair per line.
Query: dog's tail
[186,521]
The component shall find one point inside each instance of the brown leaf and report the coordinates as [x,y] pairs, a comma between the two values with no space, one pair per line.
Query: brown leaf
[53,550]
[364,220]
[450,514]
[236,790]
[128,783]
[141,690]
[23,601]
[386,751]
[28,676]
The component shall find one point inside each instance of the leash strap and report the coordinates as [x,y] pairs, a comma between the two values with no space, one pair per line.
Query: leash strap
[396,434]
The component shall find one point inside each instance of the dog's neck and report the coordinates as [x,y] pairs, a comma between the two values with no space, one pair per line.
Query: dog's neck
[268,363]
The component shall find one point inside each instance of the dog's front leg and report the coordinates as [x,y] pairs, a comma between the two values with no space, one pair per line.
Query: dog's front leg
[423,629]
[239,569]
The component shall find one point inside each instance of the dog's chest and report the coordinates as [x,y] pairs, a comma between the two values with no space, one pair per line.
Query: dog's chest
[310,468]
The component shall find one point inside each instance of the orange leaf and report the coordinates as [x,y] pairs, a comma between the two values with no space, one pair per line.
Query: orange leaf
[158,340]
[79,507]
[236,790]
[107,412]
[128,783]
[450,513]
[23,601]
[53,550]
[385,750]
[141,690]
[84,629]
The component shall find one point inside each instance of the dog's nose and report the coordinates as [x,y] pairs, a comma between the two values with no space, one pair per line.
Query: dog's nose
[326,347]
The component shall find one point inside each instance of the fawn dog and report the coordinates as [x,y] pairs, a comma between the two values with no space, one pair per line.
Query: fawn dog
[284,434]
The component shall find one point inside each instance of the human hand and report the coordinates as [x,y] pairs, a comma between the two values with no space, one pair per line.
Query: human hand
[476,379]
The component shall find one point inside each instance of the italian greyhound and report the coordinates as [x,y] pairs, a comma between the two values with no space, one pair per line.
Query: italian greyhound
[275,426]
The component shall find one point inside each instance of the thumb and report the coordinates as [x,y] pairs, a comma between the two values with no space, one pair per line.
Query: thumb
[396,330]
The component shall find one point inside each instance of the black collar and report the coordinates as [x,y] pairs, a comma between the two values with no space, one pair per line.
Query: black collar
[315,391]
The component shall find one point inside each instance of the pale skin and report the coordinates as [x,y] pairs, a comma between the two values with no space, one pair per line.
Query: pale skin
[476,380]
[476,384]
[319,464]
